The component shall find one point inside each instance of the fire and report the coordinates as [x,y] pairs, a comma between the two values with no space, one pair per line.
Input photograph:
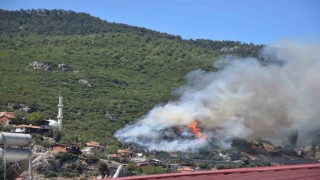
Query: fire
[203,138]
[193,127]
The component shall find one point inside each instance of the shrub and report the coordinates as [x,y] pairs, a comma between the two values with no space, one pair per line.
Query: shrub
[204,166]
[51,174]
[65,157]
[153,170]
[103,168]
[5,128]
[92,158]
[68,174]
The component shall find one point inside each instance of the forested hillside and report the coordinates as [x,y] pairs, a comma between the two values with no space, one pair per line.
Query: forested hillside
[109,74]
[60,22]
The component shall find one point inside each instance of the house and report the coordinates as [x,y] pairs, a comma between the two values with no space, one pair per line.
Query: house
[156,162]
[58,148]
[23,128]
[87,151]
[139,160]
[6,117]
[125,153]
[184,169]
[94,144]
[89,146]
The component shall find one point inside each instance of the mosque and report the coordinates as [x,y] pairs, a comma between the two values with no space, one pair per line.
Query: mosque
[57,124]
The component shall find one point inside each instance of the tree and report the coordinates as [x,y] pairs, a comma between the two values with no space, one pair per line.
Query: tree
[57,135]
[132,167]
[5,128]
[20,116]
[204,166]
[103,169]
[112,149]
[293,138]
[35,118]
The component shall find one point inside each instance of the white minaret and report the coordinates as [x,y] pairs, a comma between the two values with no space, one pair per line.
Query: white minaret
[60,106]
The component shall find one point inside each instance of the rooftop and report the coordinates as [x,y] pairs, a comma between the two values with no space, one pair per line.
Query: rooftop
[27,126]
[301,171]
[7,114]
[93,144]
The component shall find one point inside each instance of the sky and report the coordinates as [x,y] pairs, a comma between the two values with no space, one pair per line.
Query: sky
[256,21]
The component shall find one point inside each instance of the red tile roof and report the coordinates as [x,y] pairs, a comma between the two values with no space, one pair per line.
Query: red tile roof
[30,126]
[93,144]
[123,151]
[5,116]
[185,169]
[301,171]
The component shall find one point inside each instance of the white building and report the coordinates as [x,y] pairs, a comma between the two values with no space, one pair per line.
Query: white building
[55,124]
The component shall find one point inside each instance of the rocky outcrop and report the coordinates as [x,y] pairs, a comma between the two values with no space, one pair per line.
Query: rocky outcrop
[84,82]
[63,67]
[40,65]
[50,67]
[23,107]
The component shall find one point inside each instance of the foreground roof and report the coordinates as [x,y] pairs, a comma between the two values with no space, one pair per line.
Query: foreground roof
[301,171]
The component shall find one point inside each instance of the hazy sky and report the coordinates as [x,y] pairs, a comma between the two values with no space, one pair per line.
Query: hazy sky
[257,21]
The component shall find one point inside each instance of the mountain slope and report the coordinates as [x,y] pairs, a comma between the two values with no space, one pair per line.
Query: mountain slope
[113,73]
[128,74]
[61,22]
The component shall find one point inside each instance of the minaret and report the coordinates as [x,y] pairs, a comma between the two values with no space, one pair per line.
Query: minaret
[60,106]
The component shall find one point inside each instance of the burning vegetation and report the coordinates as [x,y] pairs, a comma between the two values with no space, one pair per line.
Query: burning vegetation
[196,131]
[248,98]
[191,131]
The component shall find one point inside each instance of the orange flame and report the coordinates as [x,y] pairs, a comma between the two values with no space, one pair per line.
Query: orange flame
[193,127]
[203,138]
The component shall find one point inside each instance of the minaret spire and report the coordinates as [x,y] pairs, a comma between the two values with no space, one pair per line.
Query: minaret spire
[60,107]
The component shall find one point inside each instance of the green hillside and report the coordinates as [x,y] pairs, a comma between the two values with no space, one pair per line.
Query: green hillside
[61,22]
[115,73]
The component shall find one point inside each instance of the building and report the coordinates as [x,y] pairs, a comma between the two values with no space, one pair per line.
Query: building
[156,162]
[53,124]
[137,160]
[61,148]
[184,169]
[94,144]
[56,124]
[58,148]
[6,117]
[126,153]
[23,128]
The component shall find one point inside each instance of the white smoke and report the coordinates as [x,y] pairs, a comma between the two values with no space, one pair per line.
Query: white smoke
[244,99]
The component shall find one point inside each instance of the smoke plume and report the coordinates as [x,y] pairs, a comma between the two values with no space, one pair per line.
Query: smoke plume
[245,98]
